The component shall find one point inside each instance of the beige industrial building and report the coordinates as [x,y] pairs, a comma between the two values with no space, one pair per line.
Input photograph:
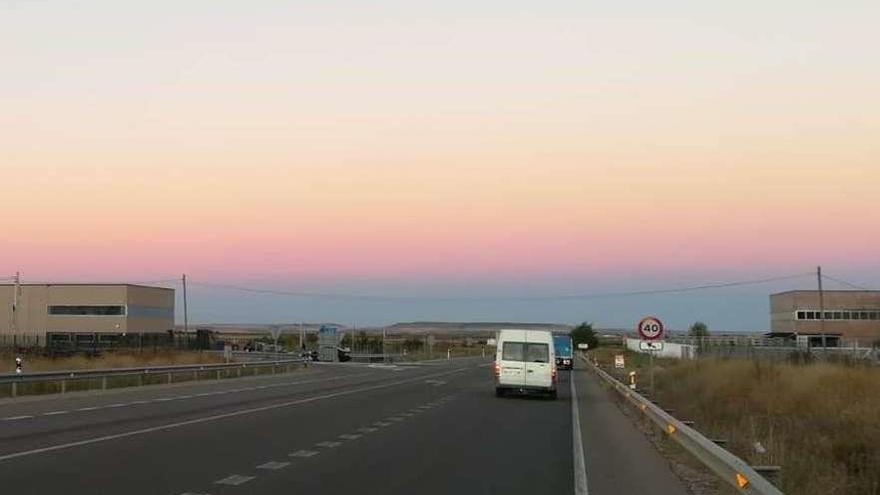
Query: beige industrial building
[71,309]
[851,314]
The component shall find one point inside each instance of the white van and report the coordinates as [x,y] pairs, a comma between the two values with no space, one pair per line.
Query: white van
[525,361]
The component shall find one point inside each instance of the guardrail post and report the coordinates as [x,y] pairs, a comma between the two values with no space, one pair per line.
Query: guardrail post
[63,386]
[170,379]
[195,375]
[104,383]
[239,372]
[218,374]
[14,389]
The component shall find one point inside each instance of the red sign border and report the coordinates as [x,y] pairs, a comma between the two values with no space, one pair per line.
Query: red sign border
[645,337]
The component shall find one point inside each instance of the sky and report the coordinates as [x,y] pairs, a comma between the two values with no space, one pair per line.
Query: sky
[445,151]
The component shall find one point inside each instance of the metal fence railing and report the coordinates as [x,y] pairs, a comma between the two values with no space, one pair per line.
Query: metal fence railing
[730,468]
[63,381]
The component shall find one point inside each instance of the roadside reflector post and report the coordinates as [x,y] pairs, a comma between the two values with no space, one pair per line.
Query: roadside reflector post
[632,380]
[670,428]
[741,481]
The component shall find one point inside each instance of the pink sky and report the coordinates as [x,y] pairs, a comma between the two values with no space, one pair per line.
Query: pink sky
[333,144]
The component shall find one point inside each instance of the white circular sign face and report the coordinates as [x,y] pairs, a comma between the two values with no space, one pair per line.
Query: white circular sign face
[650,328]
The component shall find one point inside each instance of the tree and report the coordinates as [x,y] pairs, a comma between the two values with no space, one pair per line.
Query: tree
[584,334]
[699,329]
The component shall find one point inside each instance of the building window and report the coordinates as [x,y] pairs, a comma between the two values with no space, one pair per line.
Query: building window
[801,315]
[91,310]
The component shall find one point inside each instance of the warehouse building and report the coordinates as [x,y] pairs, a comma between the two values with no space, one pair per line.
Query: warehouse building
[848,314]
[83,315]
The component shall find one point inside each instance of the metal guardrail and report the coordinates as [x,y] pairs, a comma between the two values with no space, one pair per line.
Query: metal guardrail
[730,468]
[67,375]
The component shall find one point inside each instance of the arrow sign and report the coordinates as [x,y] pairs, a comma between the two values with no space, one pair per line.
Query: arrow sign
[650,345]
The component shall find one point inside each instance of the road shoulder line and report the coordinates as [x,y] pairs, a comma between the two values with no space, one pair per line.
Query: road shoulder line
[580,465]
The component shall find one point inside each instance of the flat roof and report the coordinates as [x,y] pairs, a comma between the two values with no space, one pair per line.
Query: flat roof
[838,291]
[85,284]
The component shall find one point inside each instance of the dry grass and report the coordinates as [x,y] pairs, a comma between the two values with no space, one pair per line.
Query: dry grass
[820,422]
[110,360]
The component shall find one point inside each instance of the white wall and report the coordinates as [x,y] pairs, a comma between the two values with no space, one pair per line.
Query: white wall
[670,350]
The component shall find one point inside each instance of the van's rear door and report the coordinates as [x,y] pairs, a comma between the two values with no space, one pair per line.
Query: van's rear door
[539,370]
[513,370]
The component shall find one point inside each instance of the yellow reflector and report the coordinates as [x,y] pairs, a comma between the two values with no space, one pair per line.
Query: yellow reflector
[741,480]
[670,429]
[643,407]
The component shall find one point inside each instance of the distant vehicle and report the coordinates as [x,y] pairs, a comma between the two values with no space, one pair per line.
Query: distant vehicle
[564,357]
[525,362]
[343,354]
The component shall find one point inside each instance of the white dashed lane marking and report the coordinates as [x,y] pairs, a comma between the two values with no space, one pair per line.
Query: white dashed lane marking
[349,436]
[55,413]
[16,418]
[273,465]
[367,429]
[382,423]
[303,453]
[234,480]
[329,445]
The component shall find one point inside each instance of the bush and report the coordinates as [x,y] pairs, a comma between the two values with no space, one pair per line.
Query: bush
[584,334]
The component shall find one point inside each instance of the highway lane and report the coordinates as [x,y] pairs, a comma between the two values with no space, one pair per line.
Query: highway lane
[432,429]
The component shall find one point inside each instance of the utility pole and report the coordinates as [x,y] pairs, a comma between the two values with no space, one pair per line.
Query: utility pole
[13,323]
[185,313]
[821,308]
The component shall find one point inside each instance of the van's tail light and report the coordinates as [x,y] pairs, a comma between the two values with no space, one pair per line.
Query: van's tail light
[554,374]
[497,370]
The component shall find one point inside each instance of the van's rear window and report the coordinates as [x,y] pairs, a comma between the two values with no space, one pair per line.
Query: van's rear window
[513,351]
[521,351]
[537,353]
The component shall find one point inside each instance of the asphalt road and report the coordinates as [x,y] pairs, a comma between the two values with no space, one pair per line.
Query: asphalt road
[330,429]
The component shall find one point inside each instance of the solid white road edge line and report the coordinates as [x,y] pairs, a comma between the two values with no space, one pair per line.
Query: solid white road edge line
[580,465]
[215,417]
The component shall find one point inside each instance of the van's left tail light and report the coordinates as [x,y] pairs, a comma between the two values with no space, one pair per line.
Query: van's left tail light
[554,374]
[497,370]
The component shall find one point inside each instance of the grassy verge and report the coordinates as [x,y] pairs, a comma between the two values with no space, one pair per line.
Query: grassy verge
[111,360]
[819,422]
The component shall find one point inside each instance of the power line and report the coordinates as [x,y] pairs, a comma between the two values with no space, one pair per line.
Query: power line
[561,297]
[844,282]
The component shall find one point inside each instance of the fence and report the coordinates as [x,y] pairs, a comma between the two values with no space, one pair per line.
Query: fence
[670,349]
[22,341]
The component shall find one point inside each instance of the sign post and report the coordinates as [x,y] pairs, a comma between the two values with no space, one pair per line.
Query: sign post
[651,332]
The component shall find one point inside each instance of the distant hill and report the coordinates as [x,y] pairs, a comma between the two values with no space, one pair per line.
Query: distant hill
[470,327]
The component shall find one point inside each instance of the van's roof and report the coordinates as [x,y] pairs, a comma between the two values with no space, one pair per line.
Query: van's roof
[519,333]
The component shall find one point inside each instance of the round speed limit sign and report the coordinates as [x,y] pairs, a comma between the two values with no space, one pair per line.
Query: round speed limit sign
[650,328]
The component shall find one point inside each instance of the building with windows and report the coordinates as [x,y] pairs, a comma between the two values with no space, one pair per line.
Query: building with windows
[850,314]
[90,313]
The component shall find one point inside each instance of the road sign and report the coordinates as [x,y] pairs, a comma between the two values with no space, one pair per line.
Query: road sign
[650,328]
[583,347]
[618,361]
[650,345]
